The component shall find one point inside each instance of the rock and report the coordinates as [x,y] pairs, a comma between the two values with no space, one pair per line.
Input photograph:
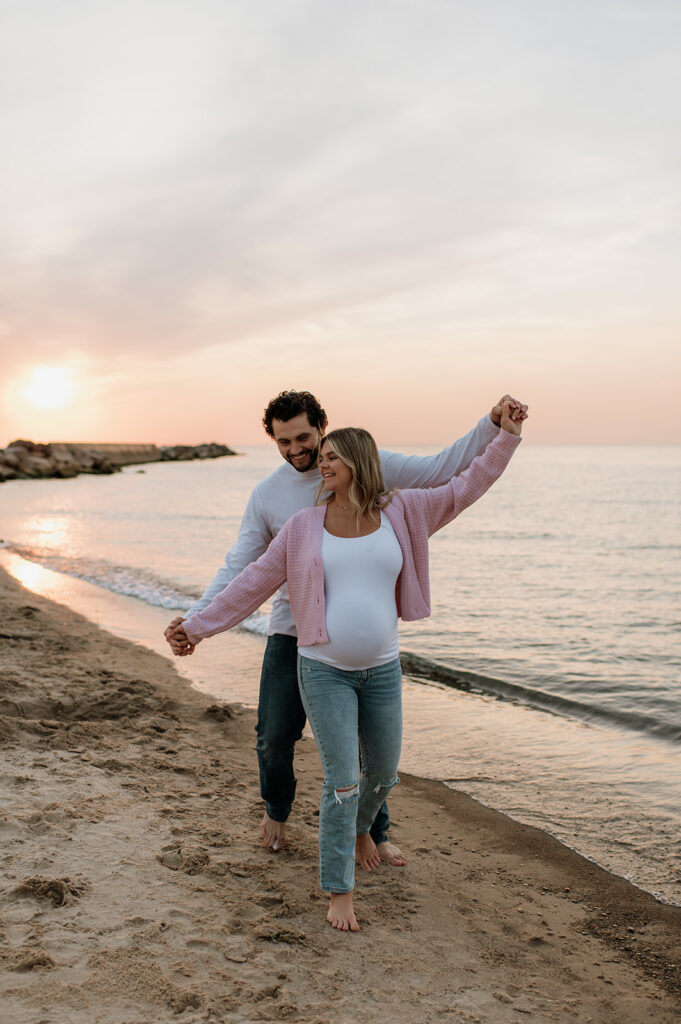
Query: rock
[28,460]
[66,465]
[187,452]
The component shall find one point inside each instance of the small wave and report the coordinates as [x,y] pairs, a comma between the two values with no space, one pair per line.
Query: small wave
[471,682]
[256,623]
[121,579]
[652,547]
[155,591]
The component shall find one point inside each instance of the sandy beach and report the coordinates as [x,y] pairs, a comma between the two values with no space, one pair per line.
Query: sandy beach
[134,887]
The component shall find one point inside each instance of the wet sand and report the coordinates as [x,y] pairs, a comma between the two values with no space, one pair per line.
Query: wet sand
[135,889]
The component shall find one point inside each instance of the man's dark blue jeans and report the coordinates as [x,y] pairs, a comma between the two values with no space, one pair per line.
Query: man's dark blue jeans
[281,720]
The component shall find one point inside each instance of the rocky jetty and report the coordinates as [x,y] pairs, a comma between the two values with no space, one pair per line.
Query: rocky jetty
[23,460]
[185,452]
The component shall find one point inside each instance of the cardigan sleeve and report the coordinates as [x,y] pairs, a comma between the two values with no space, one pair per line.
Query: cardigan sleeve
[435,470]
[440,505]
[252,541]
[244,594]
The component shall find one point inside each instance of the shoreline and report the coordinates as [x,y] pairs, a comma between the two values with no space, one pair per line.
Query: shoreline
[135,888]
[577,803]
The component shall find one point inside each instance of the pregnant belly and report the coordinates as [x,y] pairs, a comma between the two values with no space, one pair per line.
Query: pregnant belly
[361,633]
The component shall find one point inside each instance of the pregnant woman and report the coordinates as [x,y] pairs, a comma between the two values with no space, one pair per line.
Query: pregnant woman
[354,563]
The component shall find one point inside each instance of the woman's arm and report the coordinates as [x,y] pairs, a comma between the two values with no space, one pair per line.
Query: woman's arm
[252,541]
[241,597]
[436,470]
[442,504]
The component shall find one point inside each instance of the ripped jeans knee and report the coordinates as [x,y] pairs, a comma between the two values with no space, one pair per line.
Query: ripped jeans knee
[344,793]
[373,793]
[384,787]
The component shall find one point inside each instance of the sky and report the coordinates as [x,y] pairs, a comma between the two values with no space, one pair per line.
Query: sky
[408,207]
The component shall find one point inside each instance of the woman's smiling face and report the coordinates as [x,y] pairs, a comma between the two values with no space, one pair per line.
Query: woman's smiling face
[336,474]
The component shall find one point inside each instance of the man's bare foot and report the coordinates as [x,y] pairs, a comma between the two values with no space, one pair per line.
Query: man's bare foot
[273,832]
[341,915]
[366,854]
[391,854]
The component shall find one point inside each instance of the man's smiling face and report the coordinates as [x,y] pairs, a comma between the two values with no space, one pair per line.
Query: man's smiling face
[298,442]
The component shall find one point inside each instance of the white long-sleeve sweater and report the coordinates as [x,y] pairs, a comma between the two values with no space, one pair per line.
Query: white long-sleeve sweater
[286,491]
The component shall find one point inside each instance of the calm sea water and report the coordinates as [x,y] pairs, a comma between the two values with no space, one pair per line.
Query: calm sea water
[547,679]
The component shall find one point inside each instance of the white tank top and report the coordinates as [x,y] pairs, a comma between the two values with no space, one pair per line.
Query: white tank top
[360,574]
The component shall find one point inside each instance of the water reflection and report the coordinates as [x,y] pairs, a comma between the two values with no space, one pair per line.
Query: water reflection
[50,532]
[30,574]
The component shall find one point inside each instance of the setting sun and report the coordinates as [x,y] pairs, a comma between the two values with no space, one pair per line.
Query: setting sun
[50,387]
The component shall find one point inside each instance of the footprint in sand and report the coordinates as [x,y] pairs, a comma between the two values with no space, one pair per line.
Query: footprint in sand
[61,891]
[24,960]
[190,859]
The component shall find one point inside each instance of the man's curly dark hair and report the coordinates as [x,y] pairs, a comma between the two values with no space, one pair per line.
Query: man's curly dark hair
[288,404]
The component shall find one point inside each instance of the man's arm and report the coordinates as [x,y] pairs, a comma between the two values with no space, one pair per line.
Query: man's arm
[258,581]
[252,541]
[435,470]
[238,600]
[443,504]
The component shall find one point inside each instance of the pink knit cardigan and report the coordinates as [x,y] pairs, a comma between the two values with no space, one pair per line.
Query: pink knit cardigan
[295,554]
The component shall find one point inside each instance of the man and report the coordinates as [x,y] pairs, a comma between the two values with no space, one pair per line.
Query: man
[296,422]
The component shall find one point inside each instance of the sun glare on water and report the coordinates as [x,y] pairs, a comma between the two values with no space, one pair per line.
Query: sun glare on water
[50,387]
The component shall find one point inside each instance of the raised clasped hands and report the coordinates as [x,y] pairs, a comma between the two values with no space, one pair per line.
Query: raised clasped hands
[511,419]
[178,639]
[517,412]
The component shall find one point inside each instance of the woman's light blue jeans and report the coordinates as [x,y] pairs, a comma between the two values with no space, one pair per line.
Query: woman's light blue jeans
[351,714]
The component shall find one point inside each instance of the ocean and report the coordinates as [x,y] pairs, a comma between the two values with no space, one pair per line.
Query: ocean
[546,682]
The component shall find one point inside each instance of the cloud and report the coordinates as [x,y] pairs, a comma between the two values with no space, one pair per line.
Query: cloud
[187,176]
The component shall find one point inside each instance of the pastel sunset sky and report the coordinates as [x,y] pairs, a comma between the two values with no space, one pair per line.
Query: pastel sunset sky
[405,206]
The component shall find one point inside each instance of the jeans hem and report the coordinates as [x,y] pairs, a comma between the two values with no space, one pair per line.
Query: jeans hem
[277,815]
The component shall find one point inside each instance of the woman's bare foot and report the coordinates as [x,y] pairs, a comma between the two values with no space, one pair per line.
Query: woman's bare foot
[341,915]
[366,854]
[391,854]
[273,832]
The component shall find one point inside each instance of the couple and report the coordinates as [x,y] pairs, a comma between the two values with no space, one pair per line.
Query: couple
[353,562]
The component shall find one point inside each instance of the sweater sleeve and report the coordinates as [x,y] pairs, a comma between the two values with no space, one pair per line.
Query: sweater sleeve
[442,504]
[243,595]
[253,539]
[434,470]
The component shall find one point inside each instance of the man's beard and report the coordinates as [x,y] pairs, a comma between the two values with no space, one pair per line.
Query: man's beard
[303,465]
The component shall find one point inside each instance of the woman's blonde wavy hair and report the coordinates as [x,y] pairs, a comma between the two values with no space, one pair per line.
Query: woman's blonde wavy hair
[357,448]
